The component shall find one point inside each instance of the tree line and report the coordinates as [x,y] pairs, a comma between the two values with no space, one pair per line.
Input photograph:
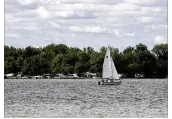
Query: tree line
[59,58]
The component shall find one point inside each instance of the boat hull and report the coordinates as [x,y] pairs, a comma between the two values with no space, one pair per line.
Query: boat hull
[110,82]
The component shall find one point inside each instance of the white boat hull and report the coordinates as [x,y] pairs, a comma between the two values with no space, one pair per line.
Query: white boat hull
[110,82]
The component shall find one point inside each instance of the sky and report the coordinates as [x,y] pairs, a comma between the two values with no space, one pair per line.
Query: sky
[83,23]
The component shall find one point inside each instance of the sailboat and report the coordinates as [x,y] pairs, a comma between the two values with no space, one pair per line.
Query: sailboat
[109,74]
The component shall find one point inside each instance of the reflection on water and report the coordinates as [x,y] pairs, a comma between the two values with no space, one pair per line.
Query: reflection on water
[84,98]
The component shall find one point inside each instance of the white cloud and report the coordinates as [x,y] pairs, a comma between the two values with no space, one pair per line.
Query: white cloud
[126,7]
[147,2]
[149,28]
[94,7]
[26,2]
[43,13]
[12,35]
[88,1]
[151,9]
[117,33]
[89,29]
[146,19]
[159,40]
[95,29]
[139,1]
[130,34]
[87,19]
[100,30]
[67,14]
[55,25]
[76,29]
[28,27]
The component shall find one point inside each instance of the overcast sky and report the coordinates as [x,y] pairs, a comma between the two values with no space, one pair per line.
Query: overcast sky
[83,23]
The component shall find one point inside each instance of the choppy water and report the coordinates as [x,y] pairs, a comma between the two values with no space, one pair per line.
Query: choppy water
[84,98]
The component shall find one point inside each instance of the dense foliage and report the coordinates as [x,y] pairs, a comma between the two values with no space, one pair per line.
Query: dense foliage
[60,58]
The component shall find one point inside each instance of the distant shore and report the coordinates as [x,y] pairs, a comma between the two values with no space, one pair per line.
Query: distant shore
[83,78]
[136,61]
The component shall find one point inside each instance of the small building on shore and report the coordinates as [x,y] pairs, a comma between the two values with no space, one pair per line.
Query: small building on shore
[20,75]
[90,75]
[139,75]
[37,77]
[47,76]
[72,76]
[10,75]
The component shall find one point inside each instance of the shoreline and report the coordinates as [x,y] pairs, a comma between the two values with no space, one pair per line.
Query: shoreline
[90,79]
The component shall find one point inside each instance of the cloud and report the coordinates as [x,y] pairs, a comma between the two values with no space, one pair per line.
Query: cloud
[76,29]
[117,33]
[139,1]
[55,25]
[130,34]
[117,22]
[159,40]
[148,2]
[43,13]
[94,7]
[126,7]
[72,14]
[146,19]
[100,30]
[84,1]
[96,29]
[89,29]
[12,35]
[152,28]
[151,9]
[26,2]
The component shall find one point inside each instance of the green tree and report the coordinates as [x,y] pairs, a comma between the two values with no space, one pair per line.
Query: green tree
[31,51]
[90,50]
[68,63]
[145,60]
[57,62]
[95,64]
[32,66]
[82,65]
[161,53]
[103,49]
[128,62]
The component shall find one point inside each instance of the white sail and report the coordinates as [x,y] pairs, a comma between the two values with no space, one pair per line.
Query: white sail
[109,70]
[114,71]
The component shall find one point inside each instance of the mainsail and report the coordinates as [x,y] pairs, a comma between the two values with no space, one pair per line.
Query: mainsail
[109,70]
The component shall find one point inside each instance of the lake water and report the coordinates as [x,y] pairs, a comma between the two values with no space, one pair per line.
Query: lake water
[84,98]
